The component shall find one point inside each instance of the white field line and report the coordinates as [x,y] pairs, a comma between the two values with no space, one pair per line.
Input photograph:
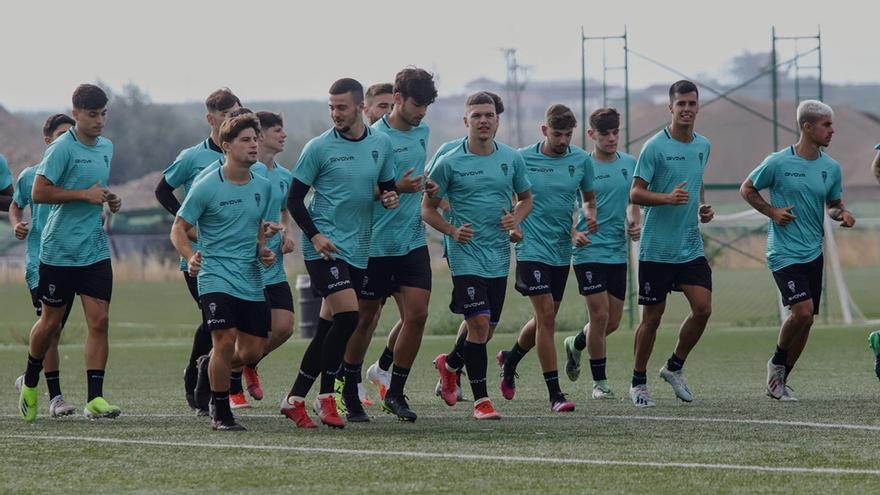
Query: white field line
[455,456]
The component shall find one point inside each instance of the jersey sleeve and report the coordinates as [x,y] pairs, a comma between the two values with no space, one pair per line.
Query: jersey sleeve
[764,174]
[22,193]
[589,177]
[646,164]
[195,203]
[520,178]
[389,170]
[308,167]
[442,176]
[442,150]
[178,172]
[836,189]
[54,163]
[5,174]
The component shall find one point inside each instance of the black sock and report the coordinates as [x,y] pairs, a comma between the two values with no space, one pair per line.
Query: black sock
[32,371]
[788,371]
[222,411]
[674,363]
[201,345]
[639,378]
[352,375]
[398,381]
[334,347]
[513,358]
[53,381]
[551,379]
[597,367]
[96,383]
[476,361]
[780,356]
[580,341]
[455,359]
[386,359]
[235,383]
[310,366]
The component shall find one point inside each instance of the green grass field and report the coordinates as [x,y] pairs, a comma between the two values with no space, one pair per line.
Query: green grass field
[732,439]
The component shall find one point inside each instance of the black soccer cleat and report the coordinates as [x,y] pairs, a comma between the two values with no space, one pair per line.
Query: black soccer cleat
[190,374]
[226,425]
[202,391]
[398,407]
[355,412]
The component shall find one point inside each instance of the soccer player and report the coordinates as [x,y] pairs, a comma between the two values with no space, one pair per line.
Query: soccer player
[600,266]
[669,185]
[399,262]
[55,126]
[557,171]
[6,189]
[343,165]
[378,101]
[479,180]
[803,182]
[182,173]
[229,208]
[74,252]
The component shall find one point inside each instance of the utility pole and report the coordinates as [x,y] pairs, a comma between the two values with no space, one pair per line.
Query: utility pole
[514,86]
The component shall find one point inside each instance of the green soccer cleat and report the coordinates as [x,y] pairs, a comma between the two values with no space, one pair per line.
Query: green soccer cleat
[572,359]
[874,342]
[27,402]
[338,385]
[99,408]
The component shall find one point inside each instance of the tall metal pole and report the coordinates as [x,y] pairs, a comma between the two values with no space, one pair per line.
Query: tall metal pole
[774,90]
[626,87]
[821,87]
[583,89]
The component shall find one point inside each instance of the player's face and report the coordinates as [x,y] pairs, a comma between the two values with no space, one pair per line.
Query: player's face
[243,148]
[379,106]
[409,111]
[557,139]
[217,117]
[606,142]
[684,108]
[273,139]
[61,129]
[344,112]
[821,131]
[481,121]
[90,122]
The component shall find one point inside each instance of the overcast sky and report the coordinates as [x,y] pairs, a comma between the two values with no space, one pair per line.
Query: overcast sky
[181,50]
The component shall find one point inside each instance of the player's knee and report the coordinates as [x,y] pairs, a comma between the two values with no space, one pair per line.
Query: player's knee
[612,326]
[802,312]
[599,320]
[701,311]
[248,355]
[98,324]
[418,317]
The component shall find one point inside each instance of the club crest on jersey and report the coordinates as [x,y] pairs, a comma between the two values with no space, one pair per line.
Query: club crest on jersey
[106,160]
[571,170]
[647,288]
[625,173]
[51,290]
[257,198]
[504,168]
[212,307]
[589,277]
[375,157]
[334,272]
[701,158]
[824,176]
[537,275]
[791,286]
[471,292]
[422,142]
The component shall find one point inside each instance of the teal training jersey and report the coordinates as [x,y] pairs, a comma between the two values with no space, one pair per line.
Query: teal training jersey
[478,188]
[671,233]
[280,179]
[228,219]
[556,182]
[186,169]
[877,147]
[442,150]
[612,183]
[74,234]
[807,185]
[397,232]
[5,174]
[343,174]
[39,214]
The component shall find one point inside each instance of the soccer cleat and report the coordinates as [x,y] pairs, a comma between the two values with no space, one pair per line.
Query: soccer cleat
[447,380]
[786,395]
[227,425]
[203,384]
[572,359]
[874,343]
[459,393]
[640,396]
[398,407]
[99,408]
[678,382]
[59,408]
[775,380]
[27,403]
[483,409]
[508,381]
[238,401]
[362,395]
[190,374]
[325,408]
[354,409]
[561,404]
[380,378]
[252,378]
[19,382]
[295,410]
[338,386]
[601,390]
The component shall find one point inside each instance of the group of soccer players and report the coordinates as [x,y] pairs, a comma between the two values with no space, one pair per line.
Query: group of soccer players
[361,194]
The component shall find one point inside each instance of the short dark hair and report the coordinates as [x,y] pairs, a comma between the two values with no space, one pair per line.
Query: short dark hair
[270,119]
[348,85]
[560,117]
[479,98]
[417,84]
[605,119]
[89,97]
[499,104]
[233,126]
[221,99]
[240,111]
[379,89]
[682,87]
[56,121]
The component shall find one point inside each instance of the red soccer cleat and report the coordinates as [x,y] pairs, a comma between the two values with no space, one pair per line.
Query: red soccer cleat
[254,387]
[295,410]
[447,380]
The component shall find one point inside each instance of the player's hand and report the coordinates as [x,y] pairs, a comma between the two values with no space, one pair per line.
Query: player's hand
[463,234]
[847,220]
[390,200]
[431,188]
[409,184]
[267,257]
[515,234]
[324,247]
[579,239]
[21,230]
[706,213]
[782,216]
[508,222]
[270,229]
[592,225]
[114,201]
[634,230]
[195,264]
[679,196]
[96,194]
[287,245]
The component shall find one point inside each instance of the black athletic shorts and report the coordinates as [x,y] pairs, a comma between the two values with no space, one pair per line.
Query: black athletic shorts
[472,295]
[223,312]
[59,284]
[331,276]
[279,296]
[657,279]
[800,282]
[38,307]
[594,278]
[534,278]
[385,275]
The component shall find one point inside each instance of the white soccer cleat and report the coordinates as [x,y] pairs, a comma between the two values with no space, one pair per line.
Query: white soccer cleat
[380,378]
[59,408]
[19,382]
[601,390]
[786,395]
[775,380]
[678,382]
[640,396]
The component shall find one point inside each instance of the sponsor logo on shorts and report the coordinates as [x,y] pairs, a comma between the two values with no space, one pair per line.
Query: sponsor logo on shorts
[212,307]
[791,285]
[589,276]
[537,275]
[538,287]
[51,290]
[592,287]
[341,283]
[471,292]
[366,280]
[216,321]
[334,271]
[647,288]
[798,296]
[474,304]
